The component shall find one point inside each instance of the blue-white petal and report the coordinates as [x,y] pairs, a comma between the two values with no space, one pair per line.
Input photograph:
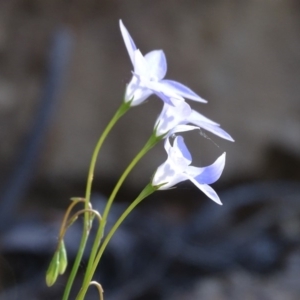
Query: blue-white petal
[207,190]
[182,128]
[212,173]
[166,174]
[140,64]
[167,145]
[167,90]
[180,144]
[183,90]
[195,117]
[129,43]
[209,125]
[171,116]
[163,97]
[136,93]
[157,64]
[215,129]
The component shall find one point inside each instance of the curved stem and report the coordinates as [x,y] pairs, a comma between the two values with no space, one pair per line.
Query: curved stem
[66,216]
[91,211]
[120,112]
[99,288]
[149,189]
[153,140]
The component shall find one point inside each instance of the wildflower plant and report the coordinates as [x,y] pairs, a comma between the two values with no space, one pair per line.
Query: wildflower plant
[176,118]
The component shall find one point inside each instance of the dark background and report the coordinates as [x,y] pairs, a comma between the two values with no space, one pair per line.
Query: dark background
[63,70]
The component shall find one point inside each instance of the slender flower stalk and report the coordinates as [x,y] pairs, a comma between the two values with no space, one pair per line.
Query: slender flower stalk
[120,112]
[148,190]
[153,140]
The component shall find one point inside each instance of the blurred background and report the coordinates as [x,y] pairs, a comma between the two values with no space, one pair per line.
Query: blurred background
[63,70]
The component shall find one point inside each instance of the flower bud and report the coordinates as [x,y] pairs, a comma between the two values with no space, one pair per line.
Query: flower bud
[53,270]
[63,260]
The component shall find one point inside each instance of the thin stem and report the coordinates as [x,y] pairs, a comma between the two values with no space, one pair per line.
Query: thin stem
[76,265]
[99,288]
[153,140]
[91,211]
[149,189]
[120,112]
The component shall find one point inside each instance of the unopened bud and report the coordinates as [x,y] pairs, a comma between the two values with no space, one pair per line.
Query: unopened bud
[53,270]
[63,260]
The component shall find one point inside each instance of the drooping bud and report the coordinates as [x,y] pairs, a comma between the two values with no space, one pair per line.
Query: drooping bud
[63,260]
[53,269]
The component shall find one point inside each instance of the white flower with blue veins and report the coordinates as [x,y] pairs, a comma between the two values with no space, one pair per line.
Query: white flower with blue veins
[148,76]
[177,168]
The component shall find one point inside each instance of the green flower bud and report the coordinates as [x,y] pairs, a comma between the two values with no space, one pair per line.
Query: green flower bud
[53,269]
[63,260]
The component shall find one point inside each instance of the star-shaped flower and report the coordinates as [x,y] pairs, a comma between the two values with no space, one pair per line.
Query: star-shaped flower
[177,168]
[148,76]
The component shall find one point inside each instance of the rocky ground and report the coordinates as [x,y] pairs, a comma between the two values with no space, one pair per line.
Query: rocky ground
[249,248]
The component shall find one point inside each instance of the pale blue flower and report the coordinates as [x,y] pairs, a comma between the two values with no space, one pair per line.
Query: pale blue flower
[177,168]
[181,113]
[148,76]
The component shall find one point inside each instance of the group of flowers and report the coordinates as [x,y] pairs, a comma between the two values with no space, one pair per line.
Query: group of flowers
[177,116]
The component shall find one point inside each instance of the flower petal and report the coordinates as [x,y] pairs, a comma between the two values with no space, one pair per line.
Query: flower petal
[163,97]
[182,128]
[215,129]
[140,65]
[140,95]
[180,144]
[141,72]
[163,88]
[136,93]
[163,174]
[196,118]
[167,145]
[171,116]
[209,174]
[166,173]
[157,64]
[183,90]
[129,43]
[175,179]
[208,191]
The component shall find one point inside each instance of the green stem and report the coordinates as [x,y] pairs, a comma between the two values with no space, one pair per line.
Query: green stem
[153,140]
[120,112]
[149,189]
